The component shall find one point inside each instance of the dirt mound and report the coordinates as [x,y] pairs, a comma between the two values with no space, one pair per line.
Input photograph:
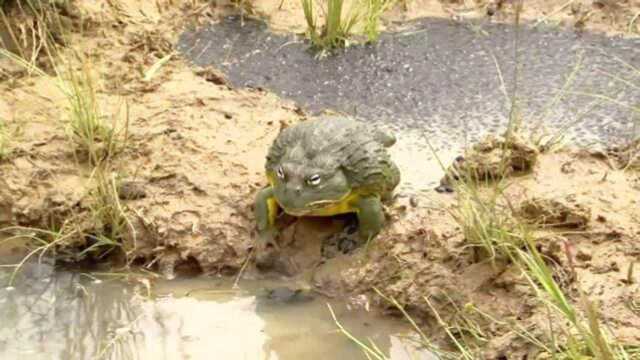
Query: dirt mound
[628,156]
[491,160]
[555,213]
[192,155]
[193,163]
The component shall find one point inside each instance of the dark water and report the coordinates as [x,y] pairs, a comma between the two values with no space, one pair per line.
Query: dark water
[439,77]
[53,314]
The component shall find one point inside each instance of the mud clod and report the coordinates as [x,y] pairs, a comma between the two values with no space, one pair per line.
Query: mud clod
[583,255]
[554,213]
[627,157]
[490,160]
[213,75]
[131,190]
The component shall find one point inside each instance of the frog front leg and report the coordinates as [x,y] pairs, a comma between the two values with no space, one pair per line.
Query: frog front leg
[370,217]
[370,221]
[266,211]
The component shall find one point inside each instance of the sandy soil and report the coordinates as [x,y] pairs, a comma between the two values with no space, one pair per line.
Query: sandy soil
[607,16]
[195,152]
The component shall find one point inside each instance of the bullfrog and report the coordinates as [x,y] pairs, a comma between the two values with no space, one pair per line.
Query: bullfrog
[324,167]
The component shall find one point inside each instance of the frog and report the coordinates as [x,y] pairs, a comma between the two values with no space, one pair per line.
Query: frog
[326,166]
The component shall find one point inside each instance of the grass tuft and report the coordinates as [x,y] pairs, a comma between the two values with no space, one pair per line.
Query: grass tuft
[97,138]
[484,221]
[337,27]
[585,336]
[108,214]
[373,10]
[340,25]
[99,225]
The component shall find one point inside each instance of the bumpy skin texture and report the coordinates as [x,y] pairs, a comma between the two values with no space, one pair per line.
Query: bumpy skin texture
[324,167]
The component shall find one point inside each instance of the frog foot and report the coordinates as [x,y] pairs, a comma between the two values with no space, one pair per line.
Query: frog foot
[267,251]
[343,242]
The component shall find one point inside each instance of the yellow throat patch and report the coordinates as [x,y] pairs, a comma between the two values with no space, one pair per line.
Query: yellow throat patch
[342,206]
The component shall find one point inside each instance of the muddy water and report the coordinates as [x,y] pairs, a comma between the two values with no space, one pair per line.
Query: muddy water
[438,81]
[71,315]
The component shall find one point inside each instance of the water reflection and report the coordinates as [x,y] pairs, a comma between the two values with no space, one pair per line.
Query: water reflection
[51,315]
[68,315]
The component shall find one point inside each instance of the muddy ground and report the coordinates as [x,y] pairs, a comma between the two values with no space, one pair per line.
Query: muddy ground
[194,155]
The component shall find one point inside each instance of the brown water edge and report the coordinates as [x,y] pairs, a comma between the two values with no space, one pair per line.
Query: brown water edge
[54,314]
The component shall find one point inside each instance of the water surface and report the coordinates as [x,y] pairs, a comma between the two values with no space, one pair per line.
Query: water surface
[53,314]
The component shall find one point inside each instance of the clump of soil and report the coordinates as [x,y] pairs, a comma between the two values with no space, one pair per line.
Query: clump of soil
[555,213]
[628,156]
[491,160]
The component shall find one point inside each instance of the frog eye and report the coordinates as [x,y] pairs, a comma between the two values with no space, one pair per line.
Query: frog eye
[280,172]
[313,179]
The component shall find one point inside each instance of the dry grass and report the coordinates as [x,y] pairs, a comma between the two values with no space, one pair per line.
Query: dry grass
[97,137]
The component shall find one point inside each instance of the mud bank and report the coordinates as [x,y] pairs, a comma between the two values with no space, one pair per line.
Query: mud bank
[585,216]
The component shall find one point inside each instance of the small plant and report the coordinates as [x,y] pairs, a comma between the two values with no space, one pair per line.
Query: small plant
[336,30]
[96,139]
[107,213]
[585,336]
[484,221]
[373,11]
[339,26]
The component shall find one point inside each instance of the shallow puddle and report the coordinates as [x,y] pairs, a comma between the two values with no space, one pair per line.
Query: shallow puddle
[52,314]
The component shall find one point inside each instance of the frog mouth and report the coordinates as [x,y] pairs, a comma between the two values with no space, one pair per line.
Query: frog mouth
[316,206]
[313,206]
